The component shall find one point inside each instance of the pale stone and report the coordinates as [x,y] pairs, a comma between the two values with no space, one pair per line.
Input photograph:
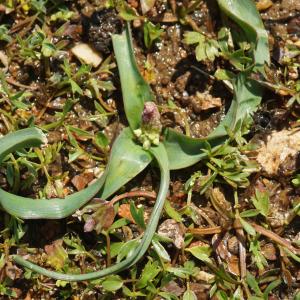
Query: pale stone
[87,54]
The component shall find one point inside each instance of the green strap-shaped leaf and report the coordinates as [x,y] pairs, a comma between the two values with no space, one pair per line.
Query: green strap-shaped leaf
[245,14]
[246,99]
[21,139]
[161,156]
[135,90]
[184,151]
[126,161]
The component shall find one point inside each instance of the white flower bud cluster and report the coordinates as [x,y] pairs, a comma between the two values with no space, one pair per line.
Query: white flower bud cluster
[150,130]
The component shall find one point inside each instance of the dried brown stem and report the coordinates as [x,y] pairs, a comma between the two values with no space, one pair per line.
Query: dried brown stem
[11,81]
[151,195]
[173,5]
[203,215]
[105,105]
[204,231]
[276,238]
[108,257]
[242,248]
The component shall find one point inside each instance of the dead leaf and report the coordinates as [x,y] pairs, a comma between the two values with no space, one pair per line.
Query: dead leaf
[233,245]
[205,101]
[13,272]
[269,251]
[220,245]
[124,212]
[81,181]
[56,254]
[173,230]
[233,265]
[104,217]
[219,201]
[198,243]
[73,31]
[204,276]
[174,288]
[4,61]
[147,5]
[201,290]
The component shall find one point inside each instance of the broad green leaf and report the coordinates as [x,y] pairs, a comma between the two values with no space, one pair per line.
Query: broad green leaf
[179,272]
[138,215]
[135,90]
[222,74]
[115,249]
[75,87]
[251,281]
[171,212]
[112,283]
[160,250]
[151,33]
[127,249]
[248,227]
[221,295]
[118,224]
[200,52]
[238,294]
[126,12]
[296,180]
[56,255]
[249,213]
[271,287]
[201,252]
[48,49]
[296,208]
[127,292]
[101,140]
[184,151]
[127,159]
[151,270]
[261,202]
[247,97]
[189,295]
[193,37]
[168,296]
